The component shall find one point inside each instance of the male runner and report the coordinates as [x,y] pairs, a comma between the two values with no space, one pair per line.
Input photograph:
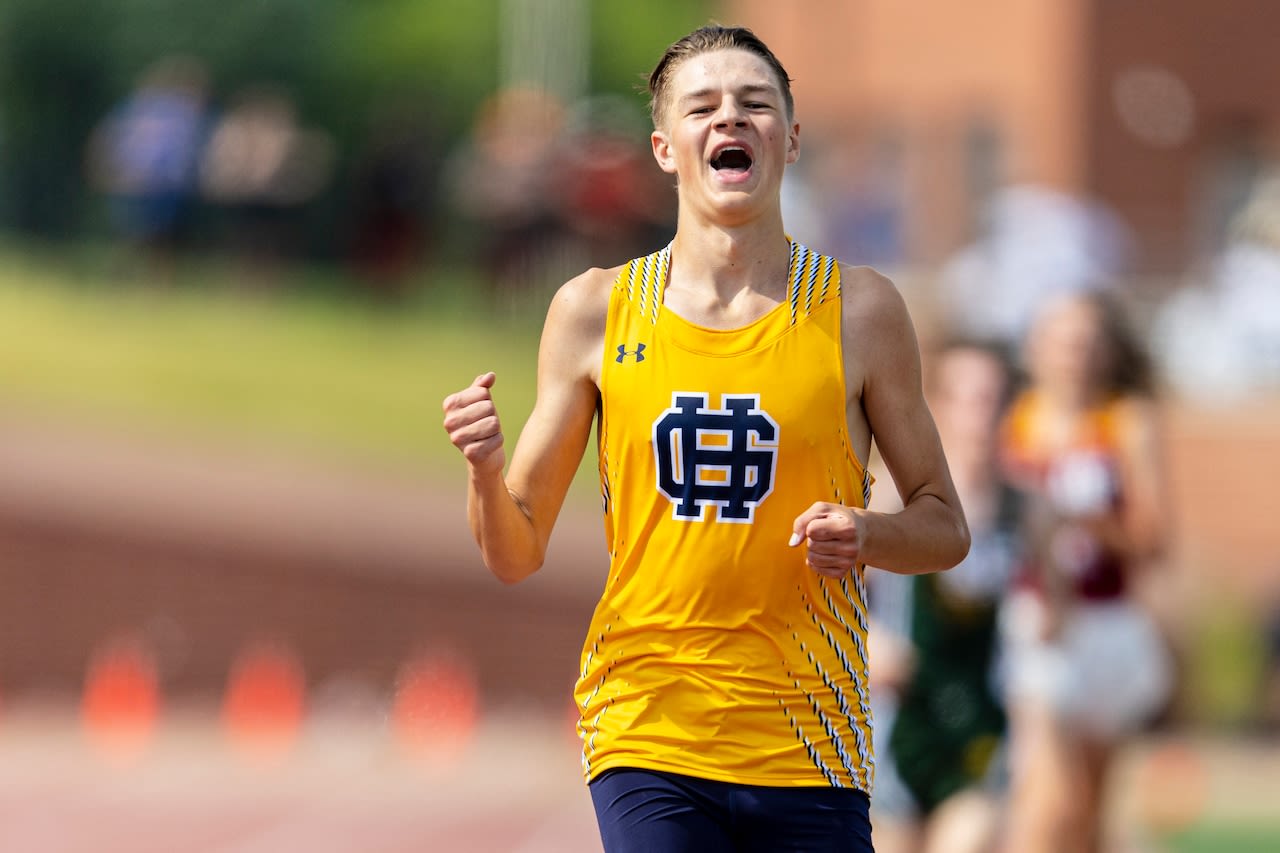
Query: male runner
[739,379]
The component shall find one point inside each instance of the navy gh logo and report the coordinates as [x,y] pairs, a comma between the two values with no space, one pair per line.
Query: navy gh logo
[724,458]
[623,352]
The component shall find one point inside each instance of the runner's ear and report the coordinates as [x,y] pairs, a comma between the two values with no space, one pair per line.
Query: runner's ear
[663,152]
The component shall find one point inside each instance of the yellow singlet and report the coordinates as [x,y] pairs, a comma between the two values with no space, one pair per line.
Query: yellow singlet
[715,651]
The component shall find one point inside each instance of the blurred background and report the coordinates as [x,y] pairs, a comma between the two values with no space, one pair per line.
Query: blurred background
[246,248]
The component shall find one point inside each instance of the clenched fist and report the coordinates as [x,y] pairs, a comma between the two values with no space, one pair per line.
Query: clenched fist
[833,535]
[471,419]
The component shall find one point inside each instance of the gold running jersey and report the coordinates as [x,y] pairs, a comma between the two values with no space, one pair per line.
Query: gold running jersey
[715,651]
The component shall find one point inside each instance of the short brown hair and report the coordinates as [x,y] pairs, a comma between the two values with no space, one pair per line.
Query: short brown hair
[709,39]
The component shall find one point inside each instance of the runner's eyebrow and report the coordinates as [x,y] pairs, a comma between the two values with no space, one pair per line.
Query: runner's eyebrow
[745,89]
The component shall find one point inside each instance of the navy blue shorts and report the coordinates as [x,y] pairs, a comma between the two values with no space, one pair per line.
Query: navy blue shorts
[648,811]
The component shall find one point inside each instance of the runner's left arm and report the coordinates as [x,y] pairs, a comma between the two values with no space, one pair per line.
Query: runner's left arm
[929,533]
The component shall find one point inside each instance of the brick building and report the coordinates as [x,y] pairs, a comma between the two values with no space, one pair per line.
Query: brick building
[1165,110]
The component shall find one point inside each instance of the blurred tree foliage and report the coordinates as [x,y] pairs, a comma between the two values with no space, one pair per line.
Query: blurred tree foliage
[65,63]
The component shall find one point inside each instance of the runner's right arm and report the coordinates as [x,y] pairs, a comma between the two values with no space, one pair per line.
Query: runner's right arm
[512,516]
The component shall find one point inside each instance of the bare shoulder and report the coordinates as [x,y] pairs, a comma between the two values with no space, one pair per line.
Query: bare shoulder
[573,336]
[881,365]
[873,309]
[583,301]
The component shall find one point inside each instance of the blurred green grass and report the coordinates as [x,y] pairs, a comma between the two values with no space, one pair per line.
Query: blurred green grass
[1227,664]
[1210,837]
[295,366]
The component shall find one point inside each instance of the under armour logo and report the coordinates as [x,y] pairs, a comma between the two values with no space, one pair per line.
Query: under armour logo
[623,352]
[723,458]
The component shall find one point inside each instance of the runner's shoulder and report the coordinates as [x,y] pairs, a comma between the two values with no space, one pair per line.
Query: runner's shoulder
[583,301]
[870,297]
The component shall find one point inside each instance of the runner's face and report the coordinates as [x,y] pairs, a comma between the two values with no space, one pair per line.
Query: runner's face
[725,132]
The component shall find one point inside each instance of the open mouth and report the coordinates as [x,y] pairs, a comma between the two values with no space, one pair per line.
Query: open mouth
[731,160]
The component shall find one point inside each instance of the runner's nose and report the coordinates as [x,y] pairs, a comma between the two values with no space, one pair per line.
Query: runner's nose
[730,113]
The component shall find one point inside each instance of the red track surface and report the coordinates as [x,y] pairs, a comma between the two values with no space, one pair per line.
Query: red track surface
[345,786]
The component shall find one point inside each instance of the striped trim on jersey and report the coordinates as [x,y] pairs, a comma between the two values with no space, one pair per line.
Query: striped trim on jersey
[644,280]
[810,275]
